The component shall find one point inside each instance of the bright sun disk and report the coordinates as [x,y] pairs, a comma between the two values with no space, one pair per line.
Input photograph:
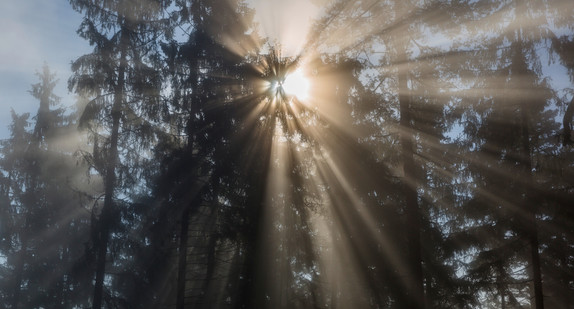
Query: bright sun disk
[296,84]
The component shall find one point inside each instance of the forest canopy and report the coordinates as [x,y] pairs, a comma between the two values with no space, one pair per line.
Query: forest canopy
[386,154]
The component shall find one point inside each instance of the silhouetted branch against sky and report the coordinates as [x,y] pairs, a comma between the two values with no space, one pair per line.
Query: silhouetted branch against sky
[35,32]
[288,157]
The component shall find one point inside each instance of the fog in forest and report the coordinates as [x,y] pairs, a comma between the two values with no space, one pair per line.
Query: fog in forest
[289,154]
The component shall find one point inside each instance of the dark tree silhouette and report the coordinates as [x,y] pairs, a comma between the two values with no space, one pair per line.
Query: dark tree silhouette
[120,77]
[429,165]
[40,237]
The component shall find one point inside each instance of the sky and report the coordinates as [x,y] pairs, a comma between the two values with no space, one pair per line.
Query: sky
[35,32]
[286,21]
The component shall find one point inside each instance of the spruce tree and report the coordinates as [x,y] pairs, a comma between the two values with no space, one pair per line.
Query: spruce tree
[41,237]
[124,87]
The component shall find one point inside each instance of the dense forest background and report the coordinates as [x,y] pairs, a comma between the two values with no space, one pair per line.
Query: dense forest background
[430,164]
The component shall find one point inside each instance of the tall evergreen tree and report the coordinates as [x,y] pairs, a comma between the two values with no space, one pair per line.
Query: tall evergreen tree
[28,193]
[513,124]
[120,77]
[423,170]
[39,232]
[194,156]
[15,165]
[411,85]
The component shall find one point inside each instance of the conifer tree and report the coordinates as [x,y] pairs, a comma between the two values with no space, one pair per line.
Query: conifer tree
[509,124]
[124,87]
[42,176]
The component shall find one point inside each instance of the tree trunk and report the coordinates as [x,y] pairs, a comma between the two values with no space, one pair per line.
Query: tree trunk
[519,68]
[30,201]
[500,284]
[531,212]
[19,267]
[182,260]
[535,261]
[210,271]
[110,177]
[413,225]
[567,123]
[253,287]
[65,280]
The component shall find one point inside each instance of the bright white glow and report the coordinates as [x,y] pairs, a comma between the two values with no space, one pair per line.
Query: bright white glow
[297,84]
[276,86]
[286,22]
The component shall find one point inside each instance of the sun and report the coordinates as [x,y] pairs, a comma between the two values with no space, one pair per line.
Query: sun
[284,78]
[296,84]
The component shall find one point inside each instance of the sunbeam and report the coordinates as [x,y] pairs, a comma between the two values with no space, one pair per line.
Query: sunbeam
[297,154]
